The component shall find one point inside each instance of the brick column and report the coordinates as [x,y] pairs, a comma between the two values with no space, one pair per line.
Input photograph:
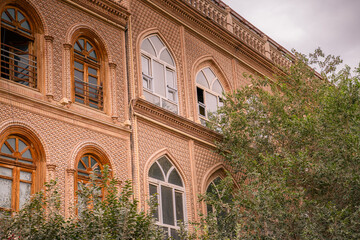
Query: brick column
[113,88]
[49,58]
[67,75]
[70,192]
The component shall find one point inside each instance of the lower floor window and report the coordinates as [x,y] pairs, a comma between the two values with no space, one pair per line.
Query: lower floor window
[166,184]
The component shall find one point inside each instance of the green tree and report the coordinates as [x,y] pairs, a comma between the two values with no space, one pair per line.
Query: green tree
[294,145]
[114,216]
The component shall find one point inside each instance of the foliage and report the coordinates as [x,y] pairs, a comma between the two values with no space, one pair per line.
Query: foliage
[293,144]
[113,216]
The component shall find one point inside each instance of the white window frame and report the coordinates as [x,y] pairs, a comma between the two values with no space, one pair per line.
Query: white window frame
[204,119]
[175,188]
[151,68]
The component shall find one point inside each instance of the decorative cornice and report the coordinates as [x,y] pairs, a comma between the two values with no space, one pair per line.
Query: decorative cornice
[236,44]
[183,125]
[108,9]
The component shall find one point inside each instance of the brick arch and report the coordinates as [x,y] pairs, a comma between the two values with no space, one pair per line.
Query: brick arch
[86,30]
[165,152]
[218,170]
[143,35]
[31,11]
[88,146]
[210,61]
[22,128]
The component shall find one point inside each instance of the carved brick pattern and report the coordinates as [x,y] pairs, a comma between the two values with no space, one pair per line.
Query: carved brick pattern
[59,138]
[146,18]
[59,18]
[153,138]
[205,159]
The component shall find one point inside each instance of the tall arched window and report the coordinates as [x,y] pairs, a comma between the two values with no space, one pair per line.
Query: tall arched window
[18,159]
[159,74]
[209,93]
[87,84]
[18,59]
[165,181]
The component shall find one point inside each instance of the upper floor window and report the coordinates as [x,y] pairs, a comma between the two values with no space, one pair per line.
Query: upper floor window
[209,92]
[87,84]
[18,59]
[159,74]
[18,160]
[166,183]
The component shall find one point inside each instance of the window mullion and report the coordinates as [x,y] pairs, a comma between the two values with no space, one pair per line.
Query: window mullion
[16,189]
[86,86]
[160,203]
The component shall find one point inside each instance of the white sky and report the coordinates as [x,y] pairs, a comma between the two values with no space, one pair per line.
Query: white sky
[333,25]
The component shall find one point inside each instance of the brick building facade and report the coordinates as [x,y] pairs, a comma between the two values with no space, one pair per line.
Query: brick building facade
[126,83]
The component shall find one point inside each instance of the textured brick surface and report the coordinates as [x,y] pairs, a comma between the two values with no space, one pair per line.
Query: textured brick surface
[59,139]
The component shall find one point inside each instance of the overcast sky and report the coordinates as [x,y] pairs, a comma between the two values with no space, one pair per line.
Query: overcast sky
[333,25]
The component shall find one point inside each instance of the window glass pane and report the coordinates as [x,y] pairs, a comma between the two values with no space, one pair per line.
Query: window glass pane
[179,206]
[172,107]
[175,178]
[147,47]
[20,16]
[202,111]
[5,17]
[24,161]
[165,56]
[77,47]
[5,193]
[93,54]
[200,95]
[157,43]
[153,191]
[79,65]
[170,78]
[155,172]
[209,74]
[200,79]
[146,83]
[145,66]
[88,46]
[211,102]
[25,25]
[6,172]
[79,87]
[92,71]
[159,79]
[25,191]
[152,98]
[11,141]
[217,87]
[12,12]
[81,43]
[174,234]
[81,166]
[5,149]
[93,80]
[93,161]
[27,154]
[25,176]
[22,145]
[165,164]
[167,205]
[166,231]
[79,75]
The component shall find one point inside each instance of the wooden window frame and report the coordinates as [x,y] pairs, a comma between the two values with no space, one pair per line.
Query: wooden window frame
[15,66]
[88,62]
[18,167]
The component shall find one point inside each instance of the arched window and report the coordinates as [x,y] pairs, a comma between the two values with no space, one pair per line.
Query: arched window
[18,160]
[87,84]
[159,74]
[18,59]
[212,190]
[165,181]
[209,93]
